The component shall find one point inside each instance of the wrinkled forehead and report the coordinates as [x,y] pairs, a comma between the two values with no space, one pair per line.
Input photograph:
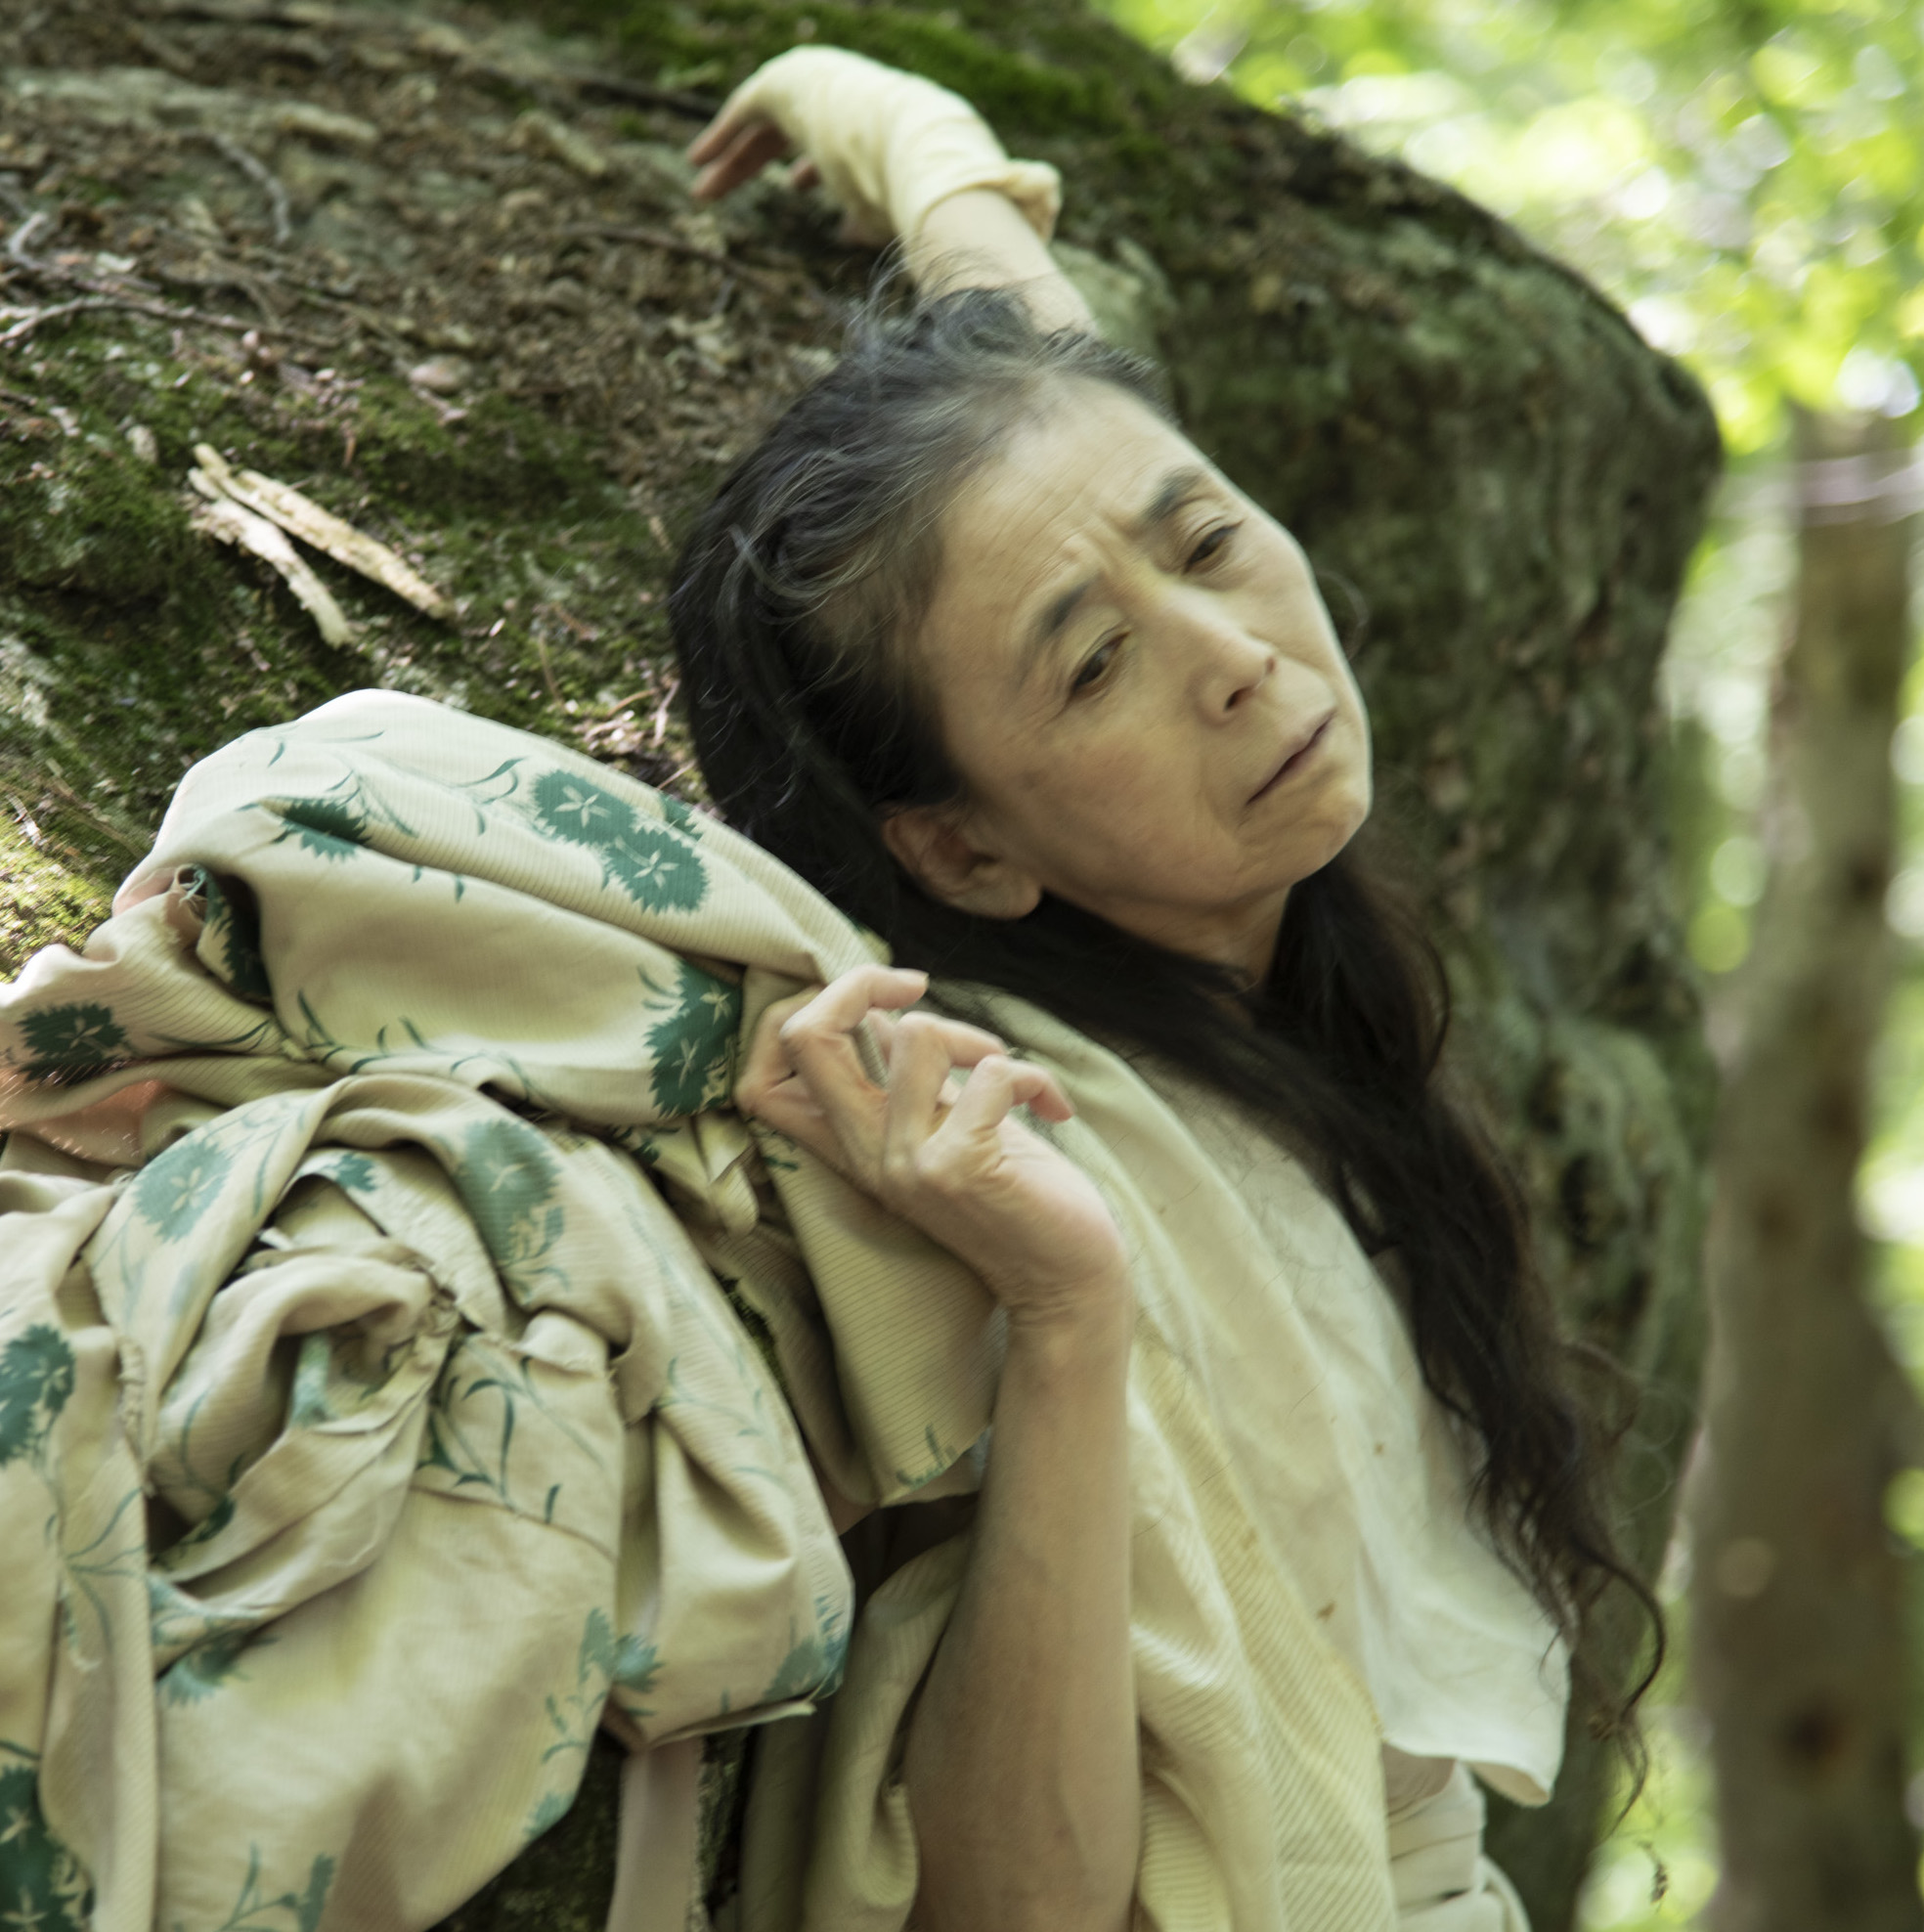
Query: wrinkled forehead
[1080,484]
[1085,464]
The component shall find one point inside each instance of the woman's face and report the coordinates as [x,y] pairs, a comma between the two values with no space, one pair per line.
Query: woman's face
[1140,687]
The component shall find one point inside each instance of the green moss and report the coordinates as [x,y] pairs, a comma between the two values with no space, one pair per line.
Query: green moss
[561,1882]
[42,902]
[112,607]
[1069,71]
[500,456]
[93,524]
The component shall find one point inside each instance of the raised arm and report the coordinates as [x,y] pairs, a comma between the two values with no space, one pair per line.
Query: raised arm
[904,158]
[979,239]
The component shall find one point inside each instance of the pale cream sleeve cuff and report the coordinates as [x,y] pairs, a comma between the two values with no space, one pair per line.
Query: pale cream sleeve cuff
[891,144]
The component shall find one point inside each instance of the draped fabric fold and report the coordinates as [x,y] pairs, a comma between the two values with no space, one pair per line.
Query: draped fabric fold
[406,1360]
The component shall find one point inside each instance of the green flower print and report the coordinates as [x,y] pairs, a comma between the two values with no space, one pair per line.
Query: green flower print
[658,869]
[813,1665]
[694,1046]
[681,815]
[328,826]
[625,1660]
[176,1187]
[553,1807]
[200,1536]
[354,1172]
[233,934]
[73,1039]
[656,866]
[580,810]
[198,1672]
[180,1621]
[507,1174]
[255,1911]
[41,1883]
[37,1377]
[603,1659]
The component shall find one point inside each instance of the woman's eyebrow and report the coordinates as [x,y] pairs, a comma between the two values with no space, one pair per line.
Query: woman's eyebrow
[1175,490]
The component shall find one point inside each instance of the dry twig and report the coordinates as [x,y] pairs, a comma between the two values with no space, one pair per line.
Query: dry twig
[263,177]
[22,237]
[26,320]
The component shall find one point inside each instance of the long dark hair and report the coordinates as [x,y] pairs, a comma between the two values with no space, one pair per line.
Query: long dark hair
[793,602]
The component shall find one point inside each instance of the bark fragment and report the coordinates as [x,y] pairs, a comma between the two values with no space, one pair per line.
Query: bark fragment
[332,535]
[230,522]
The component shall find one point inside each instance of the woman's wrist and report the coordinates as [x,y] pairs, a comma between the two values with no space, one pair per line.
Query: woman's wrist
[1071,1321]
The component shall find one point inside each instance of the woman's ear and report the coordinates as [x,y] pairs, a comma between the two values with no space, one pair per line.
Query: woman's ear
[932,844]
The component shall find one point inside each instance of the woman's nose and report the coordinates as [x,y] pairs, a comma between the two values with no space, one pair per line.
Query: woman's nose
[1255,666]
[1231,664]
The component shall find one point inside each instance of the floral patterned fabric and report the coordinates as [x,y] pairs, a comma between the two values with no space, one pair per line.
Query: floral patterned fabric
[388,1300]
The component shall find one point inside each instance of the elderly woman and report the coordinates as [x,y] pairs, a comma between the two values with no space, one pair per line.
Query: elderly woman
[1175,1504]
[985,648]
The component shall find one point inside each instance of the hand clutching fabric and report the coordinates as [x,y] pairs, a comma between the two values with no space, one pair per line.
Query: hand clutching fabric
[953,1160]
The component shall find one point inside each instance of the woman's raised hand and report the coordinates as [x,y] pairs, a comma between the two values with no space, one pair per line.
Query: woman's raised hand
[888,145]
[953,1161]
[740,141]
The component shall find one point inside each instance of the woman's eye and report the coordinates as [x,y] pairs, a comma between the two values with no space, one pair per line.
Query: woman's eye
[1094,665]
[1212,541]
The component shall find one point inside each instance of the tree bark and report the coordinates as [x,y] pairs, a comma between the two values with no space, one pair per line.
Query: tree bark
[538,368]
[1799,1636]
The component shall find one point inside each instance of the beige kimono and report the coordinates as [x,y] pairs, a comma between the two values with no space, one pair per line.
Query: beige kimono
[384,1281]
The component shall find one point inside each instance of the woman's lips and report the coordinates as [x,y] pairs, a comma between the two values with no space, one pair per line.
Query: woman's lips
[1299,756]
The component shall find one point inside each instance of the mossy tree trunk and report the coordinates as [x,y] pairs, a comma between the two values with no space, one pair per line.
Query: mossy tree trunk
[495,335]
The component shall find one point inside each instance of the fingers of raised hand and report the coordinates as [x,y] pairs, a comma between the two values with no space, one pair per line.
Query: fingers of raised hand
[735,113]
[734,156]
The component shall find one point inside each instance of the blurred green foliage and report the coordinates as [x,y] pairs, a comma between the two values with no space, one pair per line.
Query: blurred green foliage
[1747,176]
